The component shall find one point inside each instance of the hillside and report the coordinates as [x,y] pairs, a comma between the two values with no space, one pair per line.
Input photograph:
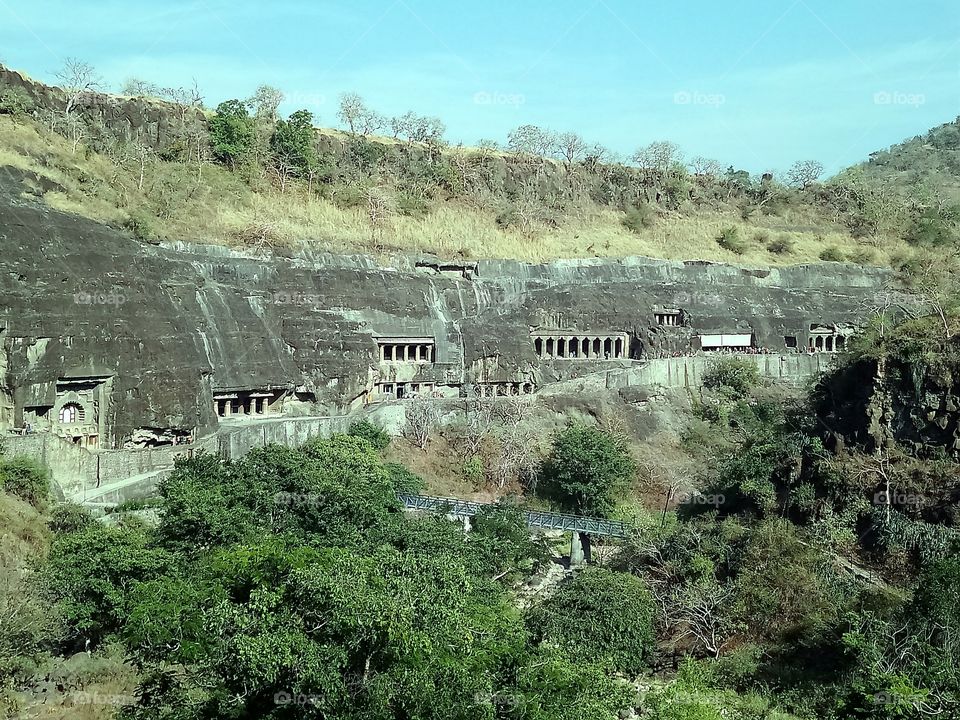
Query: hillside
[164,171]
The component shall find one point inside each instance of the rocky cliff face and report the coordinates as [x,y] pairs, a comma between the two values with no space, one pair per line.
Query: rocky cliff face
[100,329]
[877,404]
[155,124]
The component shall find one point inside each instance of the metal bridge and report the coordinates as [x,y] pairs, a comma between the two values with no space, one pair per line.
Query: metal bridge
[535,518]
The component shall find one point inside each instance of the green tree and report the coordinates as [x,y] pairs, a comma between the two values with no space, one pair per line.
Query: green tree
[90,573]
[26,478]
[293,147]
[374,434]
[587,470]
[732,375]
[232,132]
[599,616]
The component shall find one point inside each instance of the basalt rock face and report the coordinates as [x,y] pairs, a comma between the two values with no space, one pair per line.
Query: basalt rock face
[152,123]
[162,329]
[877,405]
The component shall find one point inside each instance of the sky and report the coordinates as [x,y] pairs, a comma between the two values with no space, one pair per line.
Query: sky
[756,84]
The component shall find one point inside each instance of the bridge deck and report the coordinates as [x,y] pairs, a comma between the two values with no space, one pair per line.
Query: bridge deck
[535,518]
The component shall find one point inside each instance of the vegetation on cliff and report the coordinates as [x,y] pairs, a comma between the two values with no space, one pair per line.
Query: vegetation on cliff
[243,175]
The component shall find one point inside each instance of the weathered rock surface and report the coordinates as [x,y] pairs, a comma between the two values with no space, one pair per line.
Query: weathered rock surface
[170,325]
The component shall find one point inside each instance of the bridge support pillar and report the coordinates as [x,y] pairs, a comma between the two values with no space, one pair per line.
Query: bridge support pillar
[467,525]
[579,548]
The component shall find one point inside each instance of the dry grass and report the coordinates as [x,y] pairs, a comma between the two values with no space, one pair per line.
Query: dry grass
[222,208]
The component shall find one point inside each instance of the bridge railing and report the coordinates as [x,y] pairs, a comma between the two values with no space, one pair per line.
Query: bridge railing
[535,518]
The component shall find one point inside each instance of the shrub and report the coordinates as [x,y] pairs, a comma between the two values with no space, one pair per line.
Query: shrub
[600,616]
[587,469]
[140,225]
[781,245]
[729,239]
[473,471]
[348,196]
[832,254]
[25,478]
[70,517]
[412,206]
[863,256]
[761,237]
[404,481]
[737,375]
[374,434]
[508,217]
[15,101]
[638,218]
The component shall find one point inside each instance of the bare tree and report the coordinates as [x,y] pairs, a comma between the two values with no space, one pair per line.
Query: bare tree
[264,103]
[531,140]
[370,122]
[184,99]
[658,157]
[137,87]
[804,173]
[423,416]
[571,147]
[380,208]
[75,130]
[351,109]
[704,167]
[77,78]
[936,287]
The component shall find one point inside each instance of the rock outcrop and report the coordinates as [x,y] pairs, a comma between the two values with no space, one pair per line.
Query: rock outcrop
[146,337]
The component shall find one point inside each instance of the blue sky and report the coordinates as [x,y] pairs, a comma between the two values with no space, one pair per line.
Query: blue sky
[756,84]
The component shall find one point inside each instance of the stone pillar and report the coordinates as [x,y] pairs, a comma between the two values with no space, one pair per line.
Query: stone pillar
[467,525]
[576,549]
